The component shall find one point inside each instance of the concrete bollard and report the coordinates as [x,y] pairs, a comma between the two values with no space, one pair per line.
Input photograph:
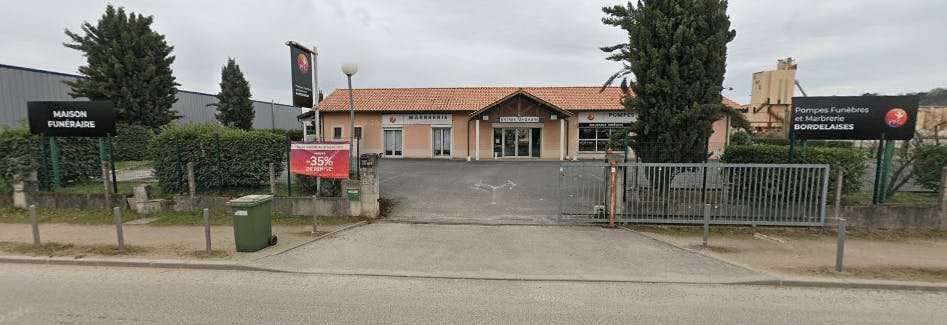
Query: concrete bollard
[191,182]
[207,231]
[118,229]
[34,221]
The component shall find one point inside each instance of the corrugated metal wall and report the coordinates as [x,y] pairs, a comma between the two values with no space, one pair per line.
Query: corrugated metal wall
[19,85]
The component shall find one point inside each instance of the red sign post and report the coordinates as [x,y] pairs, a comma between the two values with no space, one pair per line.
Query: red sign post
[321,158]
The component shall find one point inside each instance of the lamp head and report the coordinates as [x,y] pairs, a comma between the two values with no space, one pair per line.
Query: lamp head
[349,68]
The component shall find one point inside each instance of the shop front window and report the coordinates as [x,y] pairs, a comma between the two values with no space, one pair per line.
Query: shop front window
[595,138]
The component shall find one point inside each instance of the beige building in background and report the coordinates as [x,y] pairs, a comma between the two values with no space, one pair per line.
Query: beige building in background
[771,97]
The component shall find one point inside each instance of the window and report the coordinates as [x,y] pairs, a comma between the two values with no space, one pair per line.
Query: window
[336,132]
[358,132]
[595,138]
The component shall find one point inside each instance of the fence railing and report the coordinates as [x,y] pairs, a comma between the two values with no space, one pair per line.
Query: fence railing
[751,194]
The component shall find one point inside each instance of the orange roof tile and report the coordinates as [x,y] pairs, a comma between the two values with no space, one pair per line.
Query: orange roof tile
[472,98]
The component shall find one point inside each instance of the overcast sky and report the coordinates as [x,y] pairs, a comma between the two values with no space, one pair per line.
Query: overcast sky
[842,47]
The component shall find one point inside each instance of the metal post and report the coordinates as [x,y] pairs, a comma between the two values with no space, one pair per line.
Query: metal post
[220,173]
[54,153]
[879,157]
[207,230]
[351,129]
[289,175]
[840,251]
[273,178]
[559,215]
[191,182]
[118,229]
[105,182]
[792,147]
[706,223]
[273,114]
[315,211]
[34,221]
[838,192]
[112,162]
[611,196]
[886,170]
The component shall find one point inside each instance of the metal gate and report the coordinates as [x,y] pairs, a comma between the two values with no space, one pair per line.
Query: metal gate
[738,194]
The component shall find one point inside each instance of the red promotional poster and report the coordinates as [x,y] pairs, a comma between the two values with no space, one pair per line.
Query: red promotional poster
[321,158]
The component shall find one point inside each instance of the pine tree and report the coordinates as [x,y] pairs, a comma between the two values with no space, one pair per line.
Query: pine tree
[234,106]
[128,64]
[677,52]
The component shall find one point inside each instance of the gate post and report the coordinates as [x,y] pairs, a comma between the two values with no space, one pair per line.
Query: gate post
[611,196]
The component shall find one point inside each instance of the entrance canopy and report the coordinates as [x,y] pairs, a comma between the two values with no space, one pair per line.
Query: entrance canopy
[518,99]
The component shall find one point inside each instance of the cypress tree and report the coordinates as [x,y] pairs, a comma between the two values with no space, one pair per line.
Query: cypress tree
[676,52]
[234,106]
[128,64]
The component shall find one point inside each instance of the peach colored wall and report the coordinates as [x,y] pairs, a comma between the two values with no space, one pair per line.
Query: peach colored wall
[370,123]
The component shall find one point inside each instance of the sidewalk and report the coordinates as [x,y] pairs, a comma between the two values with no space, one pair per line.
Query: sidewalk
[806,255]
[145,242]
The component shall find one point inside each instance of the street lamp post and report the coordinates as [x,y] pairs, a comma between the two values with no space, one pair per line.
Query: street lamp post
[349,69]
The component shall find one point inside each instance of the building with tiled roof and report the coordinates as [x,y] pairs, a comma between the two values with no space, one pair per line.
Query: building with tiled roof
[482,122]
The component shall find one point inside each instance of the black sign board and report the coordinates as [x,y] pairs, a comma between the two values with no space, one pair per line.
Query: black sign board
[301,66]
[854,117]
[72,119]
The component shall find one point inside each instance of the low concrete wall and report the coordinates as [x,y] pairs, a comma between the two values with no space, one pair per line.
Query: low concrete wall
[302,206]
[932,217]
[76,201]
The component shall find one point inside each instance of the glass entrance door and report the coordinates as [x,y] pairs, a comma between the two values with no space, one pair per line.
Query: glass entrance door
[393,143]
[441,142]
[519,142]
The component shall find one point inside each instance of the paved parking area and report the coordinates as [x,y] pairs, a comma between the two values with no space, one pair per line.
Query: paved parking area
[478,191]
[505,252]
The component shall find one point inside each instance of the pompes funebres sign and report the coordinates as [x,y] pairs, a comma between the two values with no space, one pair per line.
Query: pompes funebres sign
[854,117]
[72,119]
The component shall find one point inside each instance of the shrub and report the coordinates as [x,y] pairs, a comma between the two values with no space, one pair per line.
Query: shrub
[773,141]
[852,160]
[740,138]
[78,157]
[329,188]
[132,141]
[294,134]
[928,163]
[245,156]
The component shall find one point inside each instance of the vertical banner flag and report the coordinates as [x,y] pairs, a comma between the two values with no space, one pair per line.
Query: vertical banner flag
[301,66]
[321,158]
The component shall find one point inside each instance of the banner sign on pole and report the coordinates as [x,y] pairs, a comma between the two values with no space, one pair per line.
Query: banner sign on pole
[854,117]
[72,119]
[301,66]
[321,158]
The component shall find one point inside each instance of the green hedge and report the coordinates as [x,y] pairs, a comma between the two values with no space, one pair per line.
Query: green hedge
[294,134]
[852,160]
[812,143]
[245,156]
[929,160]
[132,141]
[19,151]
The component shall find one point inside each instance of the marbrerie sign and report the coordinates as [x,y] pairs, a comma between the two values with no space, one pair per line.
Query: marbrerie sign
[72,119]
[403,119]
[519,119]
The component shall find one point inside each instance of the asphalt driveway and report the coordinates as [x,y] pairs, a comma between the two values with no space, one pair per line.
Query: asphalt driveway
[505,252]
[479,192]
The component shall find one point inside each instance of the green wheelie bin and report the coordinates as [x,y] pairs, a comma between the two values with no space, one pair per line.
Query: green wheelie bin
[252,230]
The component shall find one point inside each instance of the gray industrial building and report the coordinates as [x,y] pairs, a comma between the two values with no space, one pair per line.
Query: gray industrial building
[19,85]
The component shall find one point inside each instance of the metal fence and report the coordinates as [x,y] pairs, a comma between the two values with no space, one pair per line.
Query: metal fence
[747,194]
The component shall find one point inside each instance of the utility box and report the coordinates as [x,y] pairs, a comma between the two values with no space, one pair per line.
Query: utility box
[252,230]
